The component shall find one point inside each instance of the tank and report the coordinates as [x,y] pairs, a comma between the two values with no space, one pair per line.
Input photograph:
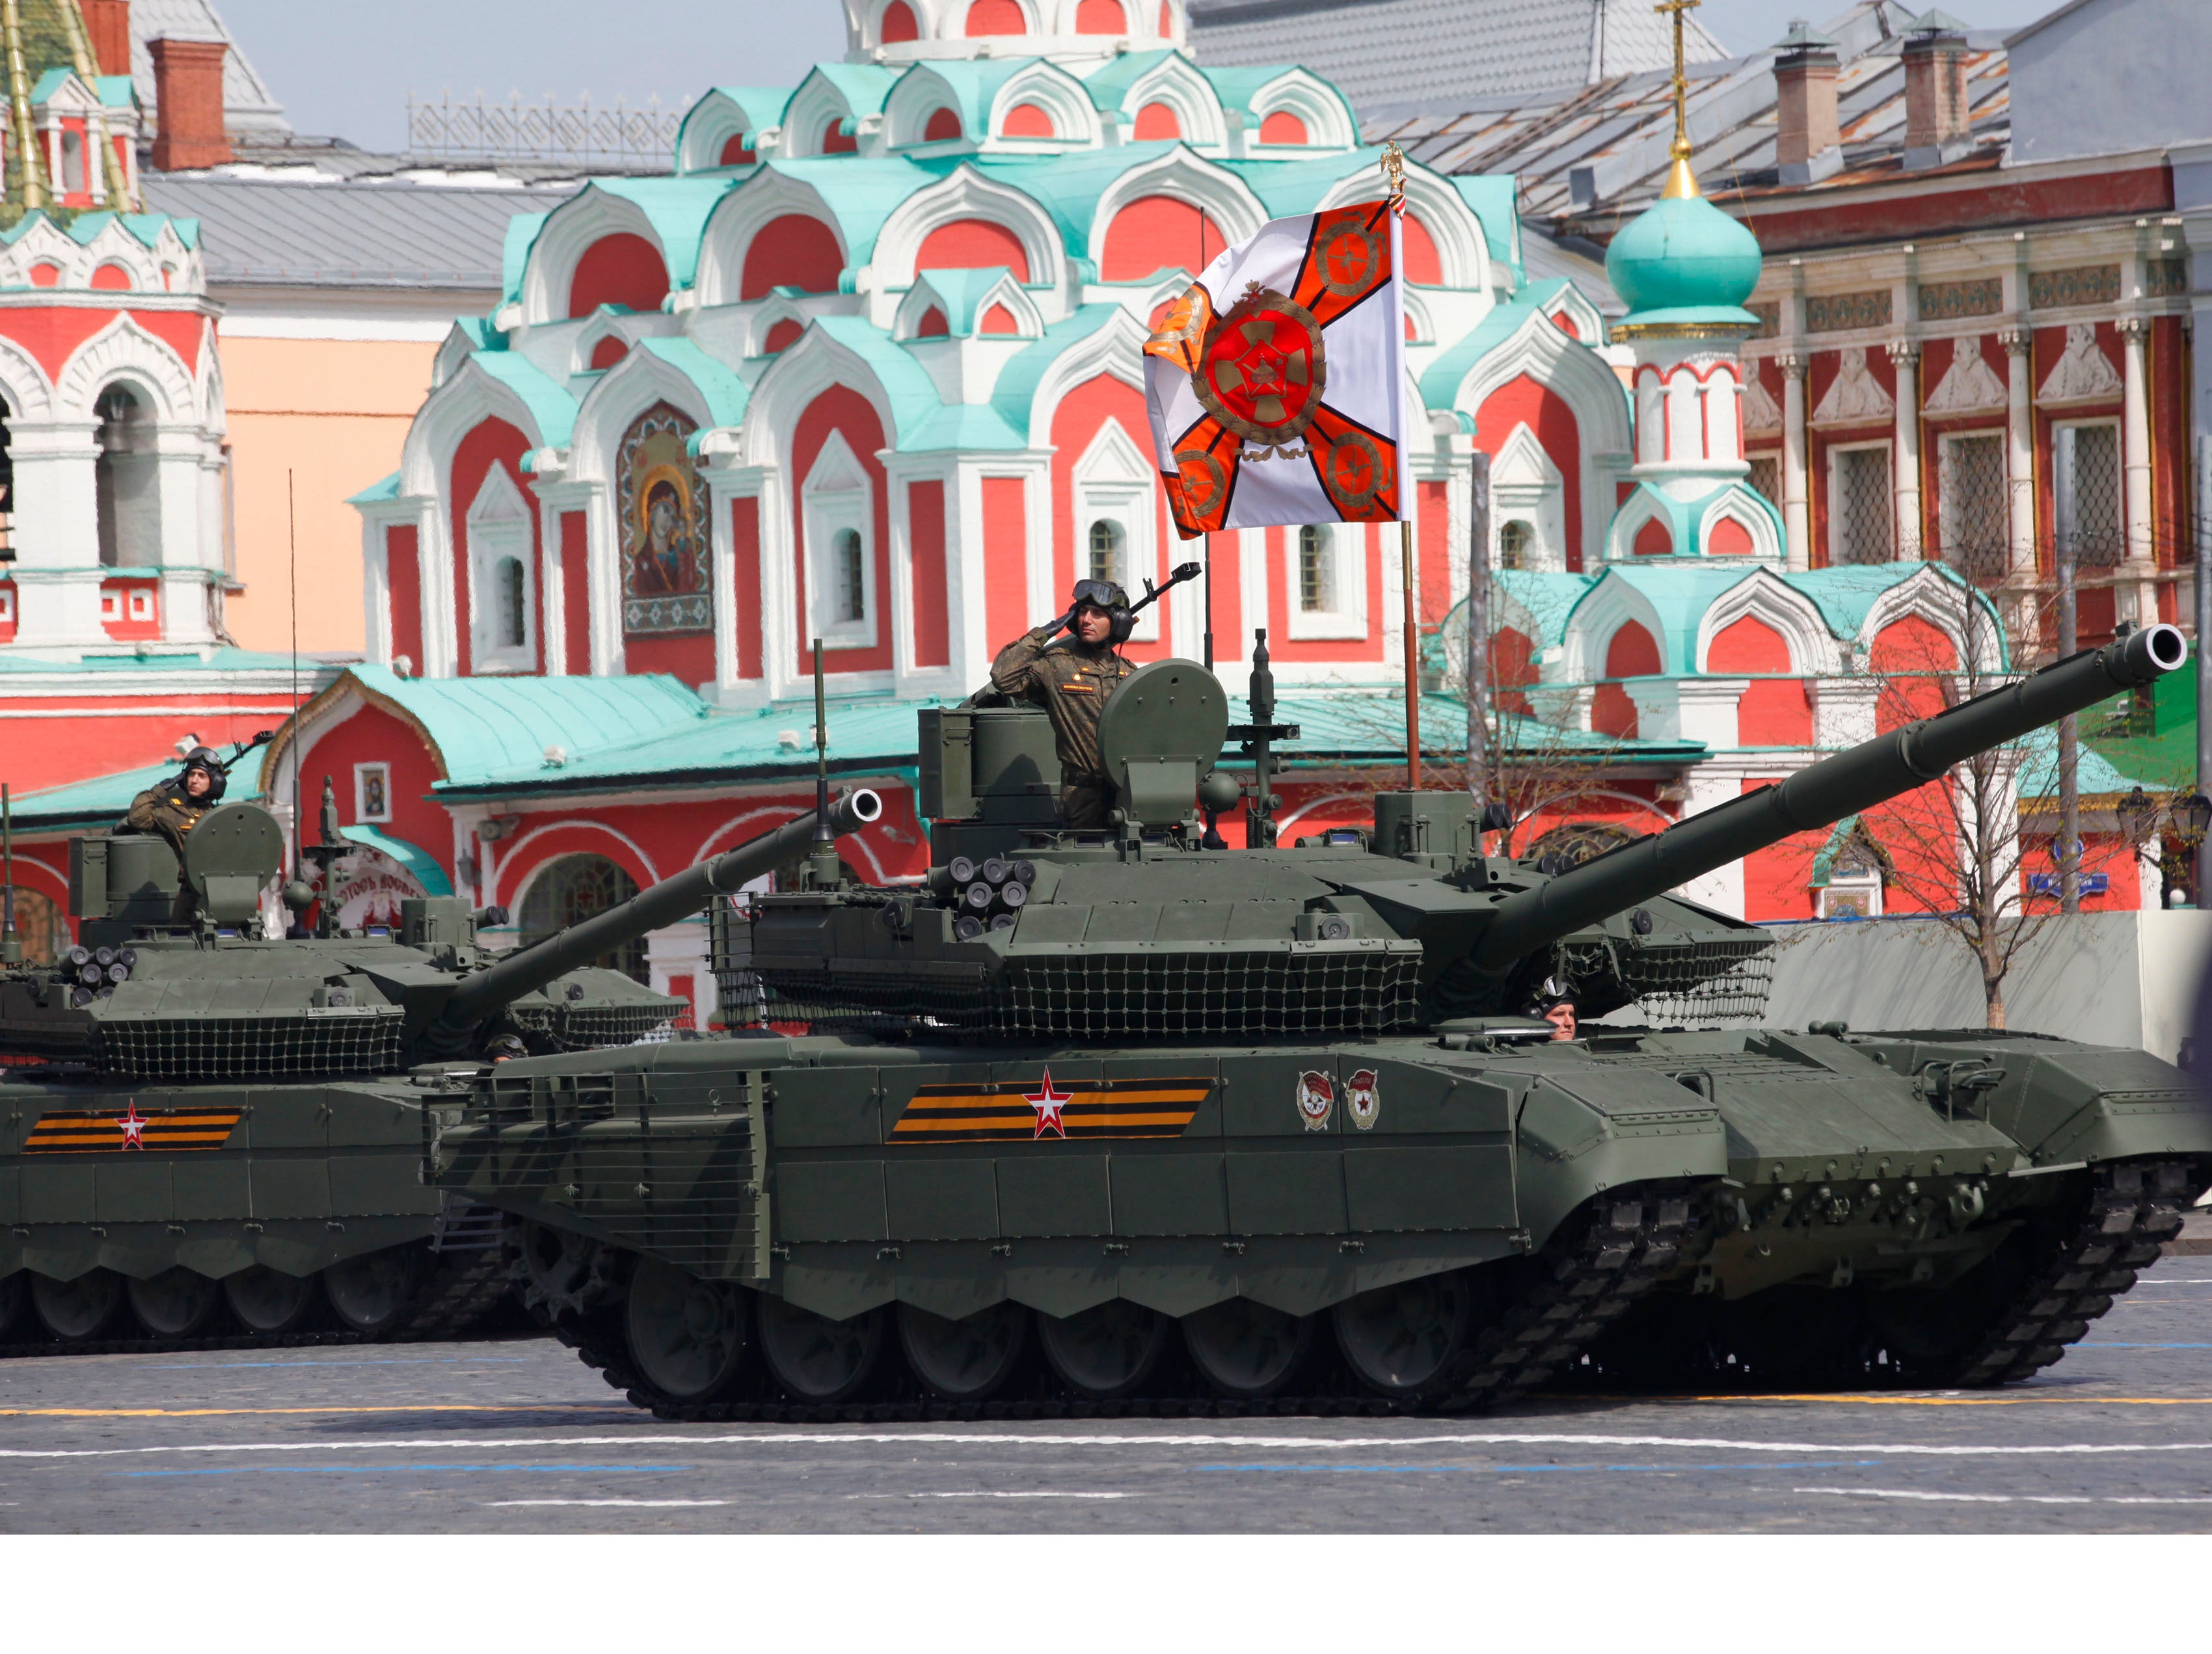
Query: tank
[213,1122]
[1113,1121]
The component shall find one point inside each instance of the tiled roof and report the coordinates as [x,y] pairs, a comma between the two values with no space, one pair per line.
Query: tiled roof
[1386,54]
[315,230]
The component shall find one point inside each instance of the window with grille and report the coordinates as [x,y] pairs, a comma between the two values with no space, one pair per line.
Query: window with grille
[1862,506]
[1514,540]
[507,585]
[572,890]
[2087,476]
[1974,516]
[1766,479]
[1316,571]
[1108,544]
[852,577]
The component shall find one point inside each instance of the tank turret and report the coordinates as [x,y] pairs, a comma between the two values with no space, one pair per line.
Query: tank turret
[182,974]
[1024,930]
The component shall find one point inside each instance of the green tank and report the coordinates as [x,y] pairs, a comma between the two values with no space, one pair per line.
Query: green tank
[212,1126]
[1115,1121]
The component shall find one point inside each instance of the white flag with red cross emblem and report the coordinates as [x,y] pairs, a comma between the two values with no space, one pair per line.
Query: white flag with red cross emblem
[1276,384]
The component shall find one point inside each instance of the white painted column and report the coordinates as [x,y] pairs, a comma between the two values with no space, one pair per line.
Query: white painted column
[2135,436]
[2019,464]
[1905,357]
[1796,517]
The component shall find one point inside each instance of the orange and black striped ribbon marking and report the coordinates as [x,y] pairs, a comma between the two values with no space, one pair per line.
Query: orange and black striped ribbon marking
[1008,1112]
[102,1131]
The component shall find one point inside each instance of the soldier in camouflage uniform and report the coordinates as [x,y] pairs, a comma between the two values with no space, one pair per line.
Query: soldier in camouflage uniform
[1070,682]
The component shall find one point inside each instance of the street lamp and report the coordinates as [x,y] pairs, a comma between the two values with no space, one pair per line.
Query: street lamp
[2137,816]
[2191,818]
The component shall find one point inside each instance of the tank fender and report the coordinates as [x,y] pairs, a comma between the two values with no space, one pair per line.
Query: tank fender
[1569,1150]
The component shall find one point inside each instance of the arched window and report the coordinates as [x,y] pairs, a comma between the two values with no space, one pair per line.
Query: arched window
[1316,572]
[1026,120]
[1101,17]
[1577,842]
[834,141]
[1515,541]
[607,352]
[899,26]
[1283,127]
[793,250]
[1157,123]
[942,126]
[619,270]
[852,577]
[995,17]
[41,927]
[1110,547]
[736,152]
[570,891]
[510,596]
[126,488]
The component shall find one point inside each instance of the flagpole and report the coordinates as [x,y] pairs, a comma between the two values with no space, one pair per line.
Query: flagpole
[1394,170]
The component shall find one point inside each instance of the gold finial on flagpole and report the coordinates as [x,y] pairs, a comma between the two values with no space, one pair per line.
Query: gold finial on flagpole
[1681,182]
[1394,170]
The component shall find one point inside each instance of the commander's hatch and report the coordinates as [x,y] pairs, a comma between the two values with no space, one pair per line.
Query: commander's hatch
[1160,735]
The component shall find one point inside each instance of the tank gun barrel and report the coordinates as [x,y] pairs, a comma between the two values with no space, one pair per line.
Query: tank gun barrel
[663,904]
[1820,795]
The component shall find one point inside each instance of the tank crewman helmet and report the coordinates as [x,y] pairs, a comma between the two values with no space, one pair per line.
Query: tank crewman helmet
[1109,596]
[204,758]
[1550,994]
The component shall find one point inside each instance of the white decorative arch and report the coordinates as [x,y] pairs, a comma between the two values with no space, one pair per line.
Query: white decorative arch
[1573,304]
[767,195]
[24,384]
[501,527]
[600,326]
[1737,503]
[966,193]
[1643,506]
[955,15]
[1525,485]
[1176,82]
[1765,596]
[454,349]
[569,231]
[1416,313]
[1185,176]
[806,118]
[214,404]
[612,405]
[1117,477]
[1610,604]
[1462,251]
[1938,599]
[573,824]
[1321,106]
[1075,118]
[772,310]
[920,92]
[1114,349]
[713,122]
[817,363]
[124,351]
[456,407]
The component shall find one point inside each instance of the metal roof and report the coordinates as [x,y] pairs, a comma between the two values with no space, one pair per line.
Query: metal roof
[1387,54]
[315,230]
[247,103]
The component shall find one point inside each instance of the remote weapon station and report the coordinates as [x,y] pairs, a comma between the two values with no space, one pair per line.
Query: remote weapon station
[1115,1120]
[212,1118]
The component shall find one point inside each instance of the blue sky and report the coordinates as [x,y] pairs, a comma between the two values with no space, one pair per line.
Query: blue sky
[343,68]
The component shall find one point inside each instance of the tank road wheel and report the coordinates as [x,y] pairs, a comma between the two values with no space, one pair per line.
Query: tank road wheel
[269,1302]
[15,1299]
[1108,1351]
[1400,1340]
[177,1303]
[1245,1350]
[815,1359]
[374,1293]
[688,1336]
[969,1359]
[77,1312]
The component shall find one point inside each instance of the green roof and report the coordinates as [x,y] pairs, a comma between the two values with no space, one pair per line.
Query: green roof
[100,802]
[388,488]
[418,862]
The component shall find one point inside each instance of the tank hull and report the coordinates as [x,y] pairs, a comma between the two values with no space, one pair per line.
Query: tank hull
[195,1187]
[1687,1177]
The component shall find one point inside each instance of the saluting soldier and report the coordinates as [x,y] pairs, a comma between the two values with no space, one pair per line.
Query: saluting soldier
[1071,681]
[174,808]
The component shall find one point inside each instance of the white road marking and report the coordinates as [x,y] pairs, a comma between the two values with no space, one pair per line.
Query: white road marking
[2177,1280]
[2000,1498]
[983,1494]
[627,1504]
[1210,1440]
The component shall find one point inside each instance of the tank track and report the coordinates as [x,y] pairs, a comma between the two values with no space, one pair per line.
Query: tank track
[1559,1302]
[461,1289]
[2134,1208]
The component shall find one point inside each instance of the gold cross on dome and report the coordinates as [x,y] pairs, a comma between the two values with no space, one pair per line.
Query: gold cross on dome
[1681,182]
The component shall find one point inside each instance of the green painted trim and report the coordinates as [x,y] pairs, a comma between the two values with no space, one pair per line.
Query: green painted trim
[421,865]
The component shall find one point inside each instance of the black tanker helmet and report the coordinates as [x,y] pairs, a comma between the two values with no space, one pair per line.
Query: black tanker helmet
[1109,596]
[205,758]
[1552,994]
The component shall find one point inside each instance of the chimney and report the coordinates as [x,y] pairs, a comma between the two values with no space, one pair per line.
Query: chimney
[107,25]
[1938,129]
[188,89]
[1808,144]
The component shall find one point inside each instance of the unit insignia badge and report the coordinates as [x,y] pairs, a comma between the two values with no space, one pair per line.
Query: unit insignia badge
[1363,1098]
[1316,1099]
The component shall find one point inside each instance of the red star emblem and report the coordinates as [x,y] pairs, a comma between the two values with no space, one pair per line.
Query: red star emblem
[133,1126]
[1048,1104]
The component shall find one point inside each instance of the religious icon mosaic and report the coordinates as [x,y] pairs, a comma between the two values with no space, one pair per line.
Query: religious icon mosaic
[668,581]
